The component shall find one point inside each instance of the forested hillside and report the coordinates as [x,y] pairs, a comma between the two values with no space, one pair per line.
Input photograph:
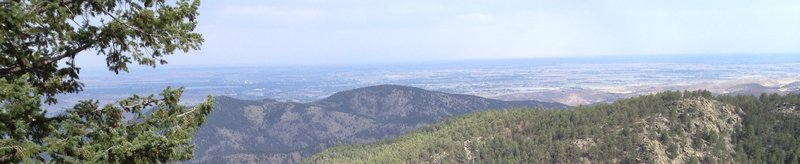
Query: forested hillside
[669,127]
[268,131]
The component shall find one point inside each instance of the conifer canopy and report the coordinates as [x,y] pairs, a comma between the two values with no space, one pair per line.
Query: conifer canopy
[39,42]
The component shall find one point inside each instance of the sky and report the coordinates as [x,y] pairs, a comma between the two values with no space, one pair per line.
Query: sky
[311,32]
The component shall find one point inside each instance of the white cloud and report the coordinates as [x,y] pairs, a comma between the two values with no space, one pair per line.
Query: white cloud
[271,11]
[475,17]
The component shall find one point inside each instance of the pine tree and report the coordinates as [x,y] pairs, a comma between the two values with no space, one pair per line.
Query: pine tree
[39,42]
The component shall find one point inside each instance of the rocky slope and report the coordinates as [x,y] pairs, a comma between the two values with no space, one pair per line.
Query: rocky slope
[267,131]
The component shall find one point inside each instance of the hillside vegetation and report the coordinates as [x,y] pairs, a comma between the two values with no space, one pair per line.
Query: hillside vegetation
[268,131]
[669,127]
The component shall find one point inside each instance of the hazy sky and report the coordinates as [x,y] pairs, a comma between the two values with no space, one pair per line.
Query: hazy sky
[281,32]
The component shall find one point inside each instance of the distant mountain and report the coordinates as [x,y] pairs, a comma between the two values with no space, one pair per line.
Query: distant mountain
[569,96]
[749,89]
[669,127]
[575,96]
[268,131]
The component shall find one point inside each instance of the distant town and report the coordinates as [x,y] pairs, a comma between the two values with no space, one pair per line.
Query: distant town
[579,81]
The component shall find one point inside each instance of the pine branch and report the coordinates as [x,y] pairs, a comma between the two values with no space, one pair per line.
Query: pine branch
[69,53]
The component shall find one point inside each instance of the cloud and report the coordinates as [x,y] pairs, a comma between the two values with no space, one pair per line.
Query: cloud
[321,31]
[475,17]
[271,11]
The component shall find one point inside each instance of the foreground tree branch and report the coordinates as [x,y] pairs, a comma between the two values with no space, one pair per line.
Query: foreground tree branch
[39,42]
[39,34]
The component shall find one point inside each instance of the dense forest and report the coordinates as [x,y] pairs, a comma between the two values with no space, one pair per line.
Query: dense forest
[669,127]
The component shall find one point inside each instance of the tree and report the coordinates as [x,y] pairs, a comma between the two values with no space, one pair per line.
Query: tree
[39,41]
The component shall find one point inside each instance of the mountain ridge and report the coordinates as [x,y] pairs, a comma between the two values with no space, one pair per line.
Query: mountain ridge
[269,131]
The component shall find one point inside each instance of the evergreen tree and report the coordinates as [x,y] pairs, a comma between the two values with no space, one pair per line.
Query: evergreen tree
[39,41]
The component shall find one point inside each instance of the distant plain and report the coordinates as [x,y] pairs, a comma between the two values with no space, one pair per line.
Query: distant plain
[572,81]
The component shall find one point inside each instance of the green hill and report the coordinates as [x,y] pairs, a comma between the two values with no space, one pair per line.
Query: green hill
[669,127]
[269,131]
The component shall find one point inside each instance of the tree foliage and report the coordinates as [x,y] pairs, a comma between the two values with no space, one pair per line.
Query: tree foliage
[39,42]
[37,34]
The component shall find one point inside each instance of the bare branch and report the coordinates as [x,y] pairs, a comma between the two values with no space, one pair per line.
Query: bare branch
[187,112]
